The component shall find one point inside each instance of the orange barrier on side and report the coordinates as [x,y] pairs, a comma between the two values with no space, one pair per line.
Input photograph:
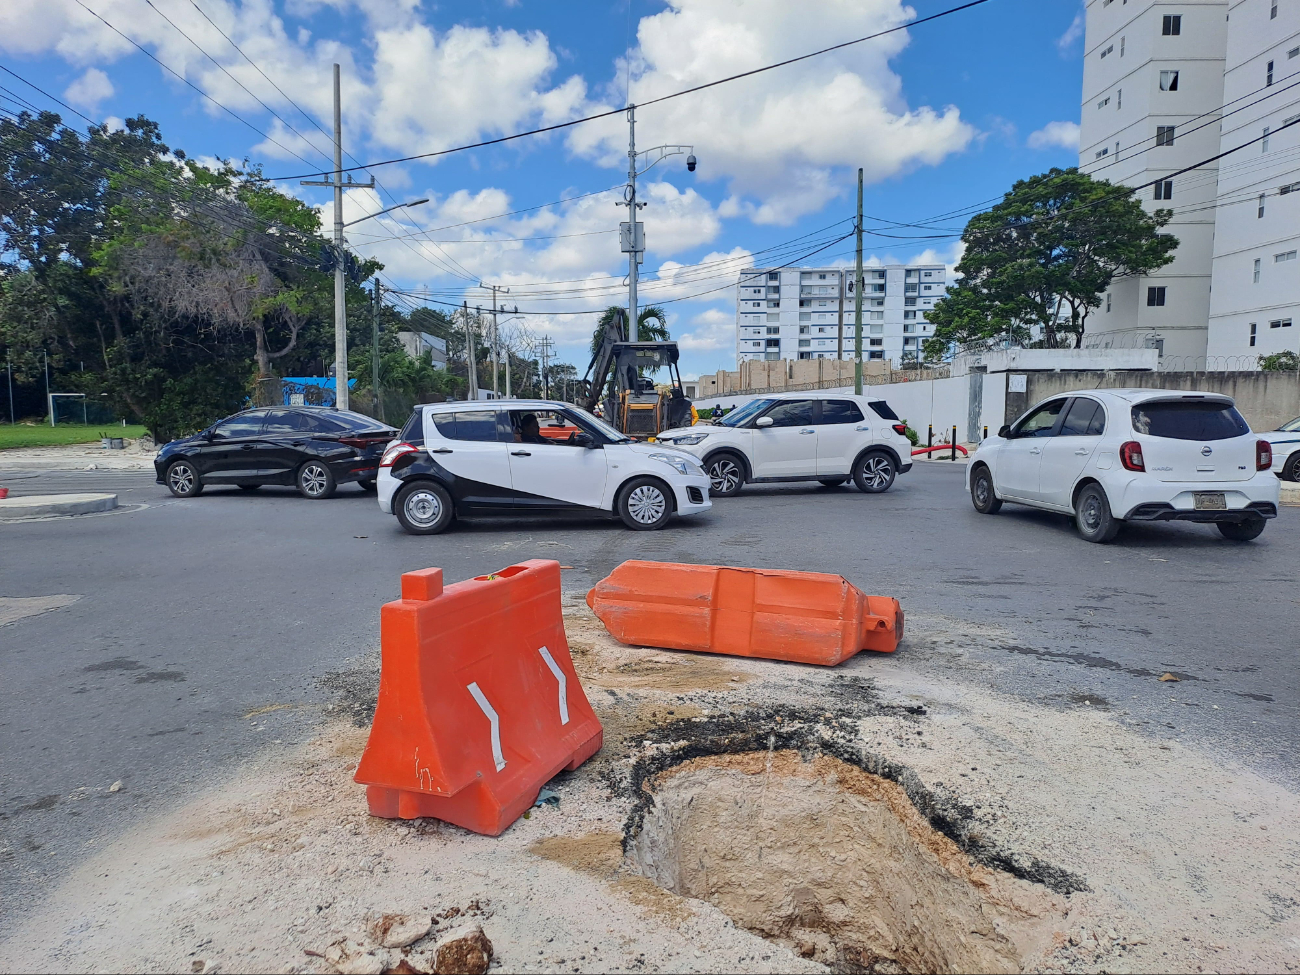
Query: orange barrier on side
[479,704]
[809,617]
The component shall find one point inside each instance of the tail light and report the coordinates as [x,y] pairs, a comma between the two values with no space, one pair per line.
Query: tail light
[1263,455]
[395,451]
[900,429]
[1130,455]
[360,443]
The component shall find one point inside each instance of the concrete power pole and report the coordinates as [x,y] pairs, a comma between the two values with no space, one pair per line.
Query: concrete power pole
[496,344]
[340,271]
[857,301]
[632,233]
[374,352]
[545,357]
[471,371]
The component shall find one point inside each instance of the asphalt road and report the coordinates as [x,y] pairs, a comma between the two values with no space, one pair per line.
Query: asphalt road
[204,627]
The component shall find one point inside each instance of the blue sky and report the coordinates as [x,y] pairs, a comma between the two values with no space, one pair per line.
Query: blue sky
[942,116]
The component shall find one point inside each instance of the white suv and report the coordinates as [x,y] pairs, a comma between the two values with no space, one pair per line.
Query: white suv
[516,456]
[819,436]
[1108,456]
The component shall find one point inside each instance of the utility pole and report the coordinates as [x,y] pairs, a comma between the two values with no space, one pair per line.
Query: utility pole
[9,368]
[471,379]
[496,345]
[857,301]
[374,352]
[340,281]
[507,372]
[545,355]
[48,400]
[632,233]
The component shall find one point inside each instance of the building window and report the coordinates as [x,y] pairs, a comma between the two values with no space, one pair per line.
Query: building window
[1106,51]
[1119,99]
[928,273]
[1284,256]
[805,316]
[1104,102]
[1252,333]
[877,316]
[773,331]
[1293,53]
[1107,302]
[1272,11]
[1155,297]
[1280,323]
[909,328]
[1259,214]
[1164,189]
[876,342]
[1121,47]
[1268,74]
[1289,188]
[774,316]
[1256,281]
[909,302]
[1172,25]
[1168,80]
[1164,135]
[1103,151]
[1263,143]
[774,276]
[805,343]
[908,316]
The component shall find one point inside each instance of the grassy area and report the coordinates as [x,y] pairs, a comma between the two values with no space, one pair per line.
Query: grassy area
[44,435]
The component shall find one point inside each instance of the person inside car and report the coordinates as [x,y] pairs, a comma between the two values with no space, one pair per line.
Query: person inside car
[530,430]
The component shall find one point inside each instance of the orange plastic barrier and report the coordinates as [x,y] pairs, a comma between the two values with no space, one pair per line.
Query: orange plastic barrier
[809,617]
[479,704]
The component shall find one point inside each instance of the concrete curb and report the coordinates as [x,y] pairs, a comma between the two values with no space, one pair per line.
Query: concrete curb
[36,506]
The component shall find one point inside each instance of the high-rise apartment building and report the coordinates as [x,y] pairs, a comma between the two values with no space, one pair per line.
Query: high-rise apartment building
[1166,85]
[807,313]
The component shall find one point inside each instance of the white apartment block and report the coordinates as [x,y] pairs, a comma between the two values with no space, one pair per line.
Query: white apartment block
[1166,84]
[1255,304]
[1152,92]
[808,313]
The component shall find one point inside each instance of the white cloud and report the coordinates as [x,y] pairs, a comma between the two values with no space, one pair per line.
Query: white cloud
[711,329]
[1072,33]
[1055,135]
[791,137]
[89,90]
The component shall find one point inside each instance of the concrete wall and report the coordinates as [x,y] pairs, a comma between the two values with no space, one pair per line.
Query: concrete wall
[1265,399]
[1023,360]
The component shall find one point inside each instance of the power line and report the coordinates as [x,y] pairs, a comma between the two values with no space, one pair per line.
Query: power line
[661,98]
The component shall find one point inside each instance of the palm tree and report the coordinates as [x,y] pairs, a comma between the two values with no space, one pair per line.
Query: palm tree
[652,326]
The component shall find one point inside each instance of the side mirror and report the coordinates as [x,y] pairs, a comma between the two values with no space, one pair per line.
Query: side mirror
[586,440]
[1005,431]
[763,421]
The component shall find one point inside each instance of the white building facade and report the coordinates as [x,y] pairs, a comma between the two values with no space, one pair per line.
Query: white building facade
[1167,84]
[1255,304]
[808,313]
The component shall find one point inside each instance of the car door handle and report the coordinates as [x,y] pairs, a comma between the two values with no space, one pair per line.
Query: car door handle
[806,432]
[247,446]
[1035,450]
[520,453]
[862,429]
[441,450]
[1083,450]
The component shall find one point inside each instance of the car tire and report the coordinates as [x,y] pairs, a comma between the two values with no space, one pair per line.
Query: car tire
[1093,518]
[982,495]
[367,486]
[1291,469]
[423,508]
[831,482]
[645,504]
[315,480]
[249,487]
[874,472]
[1241,531]
[726,473]
[183,480]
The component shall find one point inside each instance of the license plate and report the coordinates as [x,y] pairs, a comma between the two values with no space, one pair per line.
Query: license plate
[1209,501]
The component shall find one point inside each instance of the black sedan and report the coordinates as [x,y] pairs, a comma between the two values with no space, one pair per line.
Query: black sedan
[312,448]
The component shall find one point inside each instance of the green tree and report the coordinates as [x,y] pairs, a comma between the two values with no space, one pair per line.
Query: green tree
[1287,361]
[1054,244]
[651,321]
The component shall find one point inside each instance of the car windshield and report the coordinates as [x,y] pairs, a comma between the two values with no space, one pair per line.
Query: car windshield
[1292,427]
[1189,420]
[747,412]
[585,419]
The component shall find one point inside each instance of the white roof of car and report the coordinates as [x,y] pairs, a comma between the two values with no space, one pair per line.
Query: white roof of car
[1140,395]
[498,404]
[817,394]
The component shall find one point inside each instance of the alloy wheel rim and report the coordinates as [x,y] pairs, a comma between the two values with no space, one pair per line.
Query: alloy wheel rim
[646,504]
[877,471]
[313,480]
[182,479]
[982,491]
[723,476]
[424,508]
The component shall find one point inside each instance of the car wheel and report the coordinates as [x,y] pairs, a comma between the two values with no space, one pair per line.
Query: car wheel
[726,475]
[1291,469]
[249,487]
[315,480]
[183,480]
[982,495]
[1241,531]
[1092,515]
[645,504]
[831,481]
[367,486]
[423,508]
[874,472]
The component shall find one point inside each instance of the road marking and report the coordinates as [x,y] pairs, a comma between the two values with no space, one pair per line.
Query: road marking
[495,721]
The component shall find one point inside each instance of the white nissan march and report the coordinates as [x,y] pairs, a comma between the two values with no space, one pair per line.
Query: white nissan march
[517,456]
[1108,456]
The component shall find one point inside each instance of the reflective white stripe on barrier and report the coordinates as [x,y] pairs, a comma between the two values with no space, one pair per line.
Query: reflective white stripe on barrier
[564,684]
[496,724]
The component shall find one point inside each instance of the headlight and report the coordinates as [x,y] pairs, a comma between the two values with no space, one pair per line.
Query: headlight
[691,439]
[676,463]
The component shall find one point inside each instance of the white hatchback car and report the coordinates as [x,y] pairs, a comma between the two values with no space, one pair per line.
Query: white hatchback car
[816,436]
[1108,456]
[517,456]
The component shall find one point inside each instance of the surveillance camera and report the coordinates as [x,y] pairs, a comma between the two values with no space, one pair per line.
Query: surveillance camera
[690,163]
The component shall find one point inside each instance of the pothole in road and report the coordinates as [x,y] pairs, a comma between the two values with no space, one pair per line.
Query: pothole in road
[835,862]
